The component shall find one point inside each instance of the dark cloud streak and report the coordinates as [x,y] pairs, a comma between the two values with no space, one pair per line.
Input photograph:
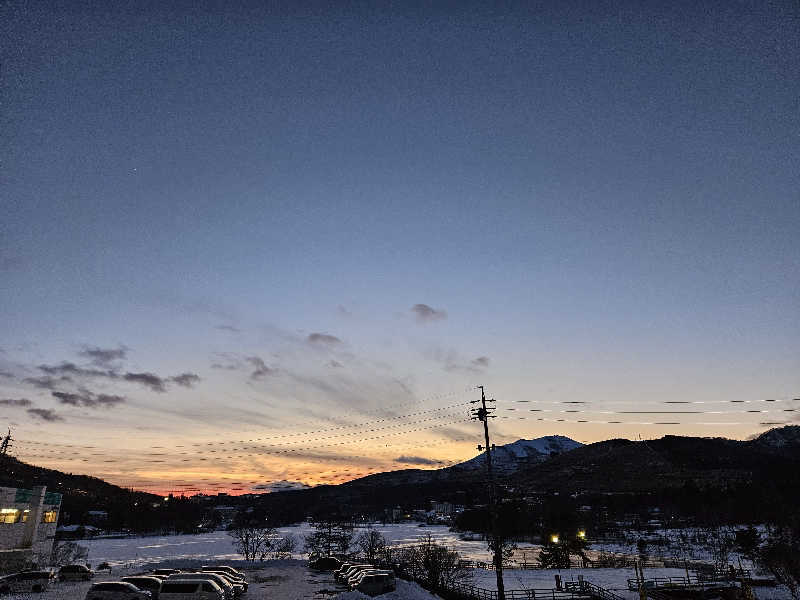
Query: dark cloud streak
[46,382]
[417,460]
[260,368]
[426,314]
[15,402]
[103,356]
[87,399]
[323,338]
[45,414]
[150,380]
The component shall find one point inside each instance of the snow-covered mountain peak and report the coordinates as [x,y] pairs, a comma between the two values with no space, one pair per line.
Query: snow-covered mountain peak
[509,456]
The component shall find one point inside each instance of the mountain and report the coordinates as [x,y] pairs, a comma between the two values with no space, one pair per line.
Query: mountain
[768,465]
[14,473]
[511,457]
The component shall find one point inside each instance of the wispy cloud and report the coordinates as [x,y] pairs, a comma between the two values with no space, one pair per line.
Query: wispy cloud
[279,486]
[476,365]
[260,368]
[150,380]
[335,364]
[103,356]
[230,328]
[45,414]
[417,460]
[185,379]
[69,368]
[15,402]
[426,314]
[65,372]
[480,362]
[47,382]
[87,399]
[323,338]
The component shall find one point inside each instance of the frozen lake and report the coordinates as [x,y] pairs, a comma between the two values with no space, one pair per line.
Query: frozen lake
[218,545]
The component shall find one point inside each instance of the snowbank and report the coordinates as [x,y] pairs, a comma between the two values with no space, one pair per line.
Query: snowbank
[406,590]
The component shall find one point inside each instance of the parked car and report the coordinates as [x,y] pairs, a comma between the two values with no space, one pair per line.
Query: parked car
[224,585]
[343,576]
[116,590]
[353,580]
[25,582]
[341,570]
[225,568]
[75,573]
[356,575]
[190,589]
[374,584]
[325,563]
[145,582]
[239,584]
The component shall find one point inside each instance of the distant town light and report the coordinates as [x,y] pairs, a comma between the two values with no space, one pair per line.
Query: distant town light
[582,534]
[554,538]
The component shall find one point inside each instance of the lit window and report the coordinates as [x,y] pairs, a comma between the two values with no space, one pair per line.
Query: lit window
[25,516]
[50,516]
[9,515]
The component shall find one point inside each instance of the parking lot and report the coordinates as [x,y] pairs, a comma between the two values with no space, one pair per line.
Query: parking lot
[278,580]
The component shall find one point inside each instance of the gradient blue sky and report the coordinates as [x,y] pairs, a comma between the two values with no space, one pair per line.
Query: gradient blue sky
[600,199]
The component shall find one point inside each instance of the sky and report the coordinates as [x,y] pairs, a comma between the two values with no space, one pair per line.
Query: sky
[253,245]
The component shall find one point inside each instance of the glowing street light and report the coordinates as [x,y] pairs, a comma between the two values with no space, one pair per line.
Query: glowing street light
[582,534]
[554,538]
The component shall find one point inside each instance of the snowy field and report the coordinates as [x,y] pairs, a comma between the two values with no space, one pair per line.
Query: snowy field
[615,580]
[218,545]
[291,580]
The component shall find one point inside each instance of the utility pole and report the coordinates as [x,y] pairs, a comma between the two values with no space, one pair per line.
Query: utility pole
[484,414]
[5,445]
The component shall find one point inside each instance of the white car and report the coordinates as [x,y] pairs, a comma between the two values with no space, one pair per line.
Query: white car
[354,580]
[239,584]
[190,589]
[224,568]
[223,584]
[116,590]
[26,582]
[350,571]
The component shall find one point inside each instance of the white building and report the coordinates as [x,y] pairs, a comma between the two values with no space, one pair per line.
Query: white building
[28,520]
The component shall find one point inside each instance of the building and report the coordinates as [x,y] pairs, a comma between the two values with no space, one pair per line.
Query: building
[28,520]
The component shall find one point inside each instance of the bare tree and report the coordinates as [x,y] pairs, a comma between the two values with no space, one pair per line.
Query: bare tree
[283,547]
[780,555]
[435,566]
[252,541]
[330,536]
[371,544]
[66,553]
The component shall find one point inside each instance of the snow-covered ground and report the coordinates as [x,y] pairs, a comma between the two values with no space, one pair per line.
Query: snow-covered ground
[615,580]
[405,591]
[128,555]
[218,545]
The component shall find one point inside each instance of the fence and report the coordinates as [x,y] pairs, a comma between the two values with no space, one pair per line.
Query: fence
[476,593]
[691,581]
[618,563]
[573,590]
